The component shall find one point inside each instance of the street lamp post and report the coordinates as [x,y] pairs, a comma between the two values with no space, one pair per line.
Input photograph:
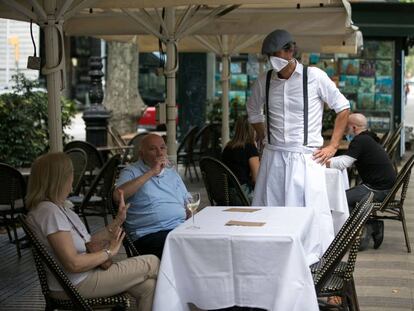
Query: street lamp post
[96,116]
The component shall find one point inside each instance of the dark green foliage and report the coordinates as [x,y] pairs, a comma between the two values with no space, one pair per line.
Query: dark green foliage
[24,122]
[328,119]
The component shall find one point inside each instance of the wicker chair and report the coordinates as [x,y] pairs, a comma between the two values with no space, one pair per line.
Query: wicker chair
[332,277]
[116,137]
[345,229]
[94,158]
[131,155]
[222,186]
[79,161]
[12,194]
[96,200]
[384,138]
[203,142]
[392,137]
[185,152]
[76,301]
[393,205]
[130,249]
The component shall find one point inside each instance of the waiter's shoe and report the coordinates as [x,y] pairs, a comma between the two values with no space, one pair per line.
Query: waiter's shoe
[378,233]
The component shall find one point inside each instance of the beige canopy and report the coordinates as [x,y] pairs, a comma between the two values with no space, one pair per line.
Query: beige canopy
[329,23]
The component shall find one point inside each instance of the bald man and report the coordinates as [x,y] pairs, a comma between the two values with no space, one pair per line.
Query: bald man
[374,168]
[157,196]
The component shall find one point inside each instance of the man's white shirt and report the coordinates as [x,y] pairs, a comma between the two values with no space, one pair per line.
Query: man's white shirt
[286,105]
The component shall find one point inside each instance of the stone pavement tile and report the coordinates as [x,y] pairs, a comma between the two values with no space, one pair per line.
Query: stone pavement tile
[384,273]
[384,303]
[382,292]
[376,308]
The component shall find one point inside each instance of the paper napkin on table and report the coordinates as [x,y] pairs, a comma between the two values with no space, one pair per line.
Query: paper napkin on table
[243,210]
[245,223]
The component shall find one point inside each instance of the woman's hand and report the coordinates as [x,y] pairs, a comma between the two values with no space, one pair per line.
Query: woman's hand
[122,208]
[115,243]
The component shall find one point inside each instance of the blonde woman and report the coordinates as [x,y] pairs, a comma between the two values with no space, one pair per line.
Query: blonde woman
[64,234]
[241,155]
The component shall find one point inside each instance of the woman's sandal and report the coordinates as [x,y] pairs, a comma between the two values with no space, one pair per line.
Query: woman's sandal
[334,300]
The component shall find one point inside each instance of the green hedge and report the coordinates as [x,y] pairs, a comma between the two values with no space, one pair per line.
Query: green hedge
[24,122]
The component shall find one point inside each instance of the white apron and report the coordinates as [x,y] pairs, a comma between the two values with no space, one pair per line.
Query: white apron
[288,176]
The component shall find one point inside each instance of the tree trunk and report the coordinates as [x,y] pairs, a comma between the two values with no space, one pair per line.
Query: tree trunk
[121,95]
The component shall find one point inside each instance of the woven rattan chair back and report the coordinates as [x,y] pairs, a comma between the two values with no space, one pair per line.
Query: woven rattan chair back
[392,145]
[185,152]
[203,142]
[127,242]
[12,199]
[132,155]
[337,252]
[223,188]
[43,261]
[187,143]
[100,187]
[354,217]
[393,136]
[392,207]
[116,137]
[384,139]
[94,157]
[79,161]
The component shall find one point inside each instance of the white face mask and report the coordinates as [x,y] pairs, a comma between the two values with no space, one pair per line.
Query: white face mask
[278,63]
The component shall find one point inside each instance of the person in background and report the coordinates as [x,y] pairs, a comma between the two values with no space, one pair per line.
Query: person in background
[241,155]
[406,92]
[292,171]
[374,167]
[64,235]
[157,196]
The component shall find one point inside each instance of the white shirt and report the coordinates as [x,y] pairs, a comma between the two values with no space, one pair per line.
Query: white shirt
[286,105]
[48,218]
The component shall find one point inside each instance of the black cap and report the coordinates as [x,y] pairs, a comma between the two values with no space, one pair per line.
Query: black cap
[275,41]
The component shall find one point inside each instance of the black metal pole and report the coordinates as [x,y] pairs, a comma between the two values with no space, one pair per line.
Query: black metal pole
[96,116]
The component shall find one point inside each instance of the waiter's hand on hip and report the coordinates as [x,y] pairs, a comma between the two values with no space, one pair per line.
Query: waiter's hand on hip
[324,154]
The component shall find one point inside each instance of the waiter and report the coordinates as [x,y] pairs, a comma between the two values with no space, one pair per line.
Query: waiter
[293,162]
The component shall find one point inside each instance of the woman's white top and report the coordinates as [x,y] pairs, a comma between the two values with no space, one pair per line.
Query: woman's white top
[48,218]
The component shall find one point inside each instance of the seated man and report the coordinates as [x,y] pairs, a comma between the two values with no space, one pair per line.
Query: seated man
[157,196]
[374,167]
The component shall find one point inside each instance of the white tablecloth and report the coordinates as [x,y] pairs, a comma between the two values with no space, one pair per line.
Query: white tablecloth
[336,184]
[218,266]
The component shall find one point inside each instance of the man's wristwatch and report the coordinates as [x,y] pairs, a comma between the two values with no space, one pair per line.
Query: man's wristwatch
[108,252]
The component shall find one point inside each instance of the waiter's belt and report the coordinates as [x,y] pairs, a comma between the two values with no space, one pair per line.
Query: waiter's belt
[291,148]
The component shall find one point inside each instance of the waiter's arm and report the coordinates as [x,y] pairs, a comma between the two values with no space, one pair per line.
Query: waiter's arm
[260,131]
[324,154]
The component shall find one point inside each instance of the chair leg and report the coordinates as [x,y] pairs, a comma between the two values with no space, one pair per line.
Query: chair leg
[9,233]
[86,223]
[16,240]
[104,215]
[195,170]
[354,305]
[187,166]
[404,224]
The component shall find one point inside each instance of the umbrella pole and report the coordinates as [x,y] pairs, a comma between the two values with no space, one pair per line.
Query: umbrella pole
[54,81]
[225,132]
[171,96]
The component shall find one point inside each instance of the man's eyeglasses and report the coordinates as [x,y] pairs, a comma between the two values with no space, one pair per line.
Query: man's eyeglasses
[288,46]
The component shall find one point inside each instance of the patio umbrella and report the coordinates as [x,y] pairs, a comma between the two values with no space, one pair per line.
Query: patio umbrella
[323,28]
[115,17]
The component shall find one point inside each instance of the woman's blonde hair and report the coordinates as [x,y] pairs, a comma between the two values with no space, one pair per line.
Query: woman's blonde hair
[243,133]
[48,178]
